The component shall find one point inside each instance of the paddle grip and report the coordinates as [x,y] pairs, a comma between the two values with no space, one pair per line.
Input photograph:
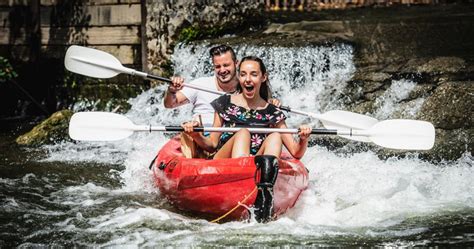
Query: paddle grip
[179,128]
[285,108]
[150,76]
[323,132]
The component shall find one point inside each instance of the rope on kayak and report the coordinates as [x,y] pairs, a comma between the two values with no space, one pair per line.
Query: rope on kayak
[234,208]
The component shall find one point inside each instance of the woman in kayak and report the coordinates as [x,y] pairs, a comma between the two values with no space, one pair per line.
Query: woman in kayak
[249,108]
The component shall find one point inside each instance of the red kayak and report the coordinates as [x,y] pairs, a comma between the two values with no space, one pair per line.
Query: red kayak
[212,188]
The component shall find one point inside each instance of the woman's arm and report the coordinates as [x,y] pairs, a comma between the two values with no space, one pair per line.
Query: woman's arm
[296,148]
[207,143]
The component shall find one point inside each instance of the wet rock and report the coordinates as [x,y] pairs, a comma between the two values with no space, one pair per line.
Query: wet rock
[451,106]
[451,144]
[373,76]
[321,27]
[50,130]
[442,65]
[365,108]
[421,91]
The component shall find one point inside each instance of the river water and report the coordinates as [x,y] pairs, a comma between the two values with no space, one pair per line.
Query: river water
[102,194]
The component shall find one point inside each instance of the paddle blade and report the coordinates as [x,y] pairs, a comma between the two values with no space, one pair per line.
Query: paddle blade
[403,134]
[99,126]
[92,62]
[337,119]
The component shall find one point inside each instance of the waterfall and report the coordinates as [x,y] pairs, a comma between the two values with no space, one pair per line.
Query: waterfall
[304,78]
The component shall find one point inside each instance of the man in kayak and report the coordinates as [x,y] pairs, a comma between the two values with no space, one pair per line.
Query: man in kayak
[225,80]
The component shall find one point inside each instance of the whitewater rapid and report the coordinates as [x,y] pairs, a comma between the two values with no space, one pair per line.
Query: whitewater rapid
[350,194]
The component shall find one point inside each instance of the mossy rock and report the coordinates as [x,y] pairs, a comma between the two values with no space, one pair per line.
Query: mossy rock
[50,130]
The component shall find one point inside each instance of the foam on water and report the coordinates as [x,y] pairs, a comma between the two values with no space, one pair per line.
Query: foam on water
[389,102]
[355,194]
[360,190]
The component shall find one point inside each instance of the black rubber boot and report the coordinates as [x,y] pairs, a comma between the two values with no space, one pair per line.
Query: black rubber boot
[268,166]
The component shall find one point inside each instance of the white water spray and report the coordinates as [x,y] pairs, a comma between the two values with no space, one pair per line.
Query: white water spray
[348,194]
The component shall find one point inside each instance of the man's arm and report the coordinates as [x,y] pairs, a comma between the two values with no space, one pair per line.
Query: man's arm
[173,96]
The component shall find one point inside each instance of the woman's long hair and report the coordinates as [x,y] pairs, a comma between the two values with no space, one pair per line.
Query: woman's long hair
[265,91]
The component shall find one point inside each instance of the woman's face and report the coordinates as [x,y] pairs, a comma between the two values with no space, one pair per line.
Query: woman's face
[251,78]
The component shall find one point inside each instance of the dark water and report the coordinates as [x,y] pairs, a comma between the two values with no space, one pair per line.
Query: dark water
[88,204]
[102,194]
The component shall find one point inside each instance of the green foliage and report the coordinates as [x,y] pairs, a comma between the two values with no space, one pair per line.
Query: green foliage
[189,34]
[6,70]
[193,33]
[70,80]
[168,68]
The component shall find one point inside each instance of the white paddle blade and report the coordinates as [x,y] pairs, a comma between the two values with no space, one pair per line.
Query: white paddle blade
[337,119]
[99,126]
[403,134]
[92,62]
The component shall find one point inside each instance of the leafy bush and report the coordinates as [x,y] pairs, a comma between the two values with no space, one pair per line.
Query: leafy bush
[193,33]
[190,34]
[6,70]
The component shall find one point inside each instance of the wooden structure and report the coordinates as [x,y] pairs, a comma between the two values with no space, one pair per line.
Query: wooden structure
[32,27]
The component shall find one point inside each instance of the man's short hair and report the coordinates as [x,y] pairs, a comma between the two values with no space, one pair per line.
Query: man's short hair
[222,49]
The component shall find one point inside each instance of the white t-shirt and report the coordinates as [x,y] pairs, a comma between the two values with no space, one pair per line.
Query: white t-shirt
[201,100]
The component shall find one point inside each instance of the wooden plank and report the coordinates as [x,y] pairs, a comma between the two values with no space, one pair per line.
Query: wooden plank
[34,30]
[126,54]
[68,36]
[89,2]
[144,38]
[102,2]
[13,2]
[102,15]
[92,36]
[16,39]
[4,13]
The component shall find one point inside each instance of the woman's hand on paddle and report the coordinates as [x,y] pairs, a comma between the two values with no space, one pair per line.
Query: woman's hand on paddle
[176,84]
[274,102]
[189,127]
[304,132]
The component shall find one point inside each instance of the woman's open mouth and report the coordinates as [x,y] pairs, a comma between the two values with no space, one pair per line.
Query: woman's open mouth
[249,88]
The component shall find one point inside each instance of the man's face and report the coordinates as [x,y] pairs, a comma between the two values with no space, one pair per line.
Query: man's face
[224,67]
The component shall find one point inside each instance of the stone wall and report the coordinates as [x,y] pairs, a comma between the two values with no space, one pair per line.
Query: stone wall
[166,21]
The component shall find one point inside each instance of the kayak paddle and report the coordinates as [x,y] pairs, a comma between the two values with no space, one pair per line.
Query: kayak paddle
[99,64]
[394,134]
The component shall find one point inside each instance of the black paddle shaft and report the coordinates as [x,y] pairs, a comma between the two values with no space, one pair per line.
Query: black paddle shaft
[154,77]
[202,129]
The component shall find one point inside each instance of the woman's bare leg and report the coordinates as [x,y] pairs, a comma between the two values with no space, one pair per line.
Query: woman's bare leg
[237,146]
[272,145]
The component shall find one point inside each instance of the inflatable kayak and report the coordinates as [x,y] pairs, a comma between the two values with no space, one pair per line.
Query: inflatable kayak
[224,188]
